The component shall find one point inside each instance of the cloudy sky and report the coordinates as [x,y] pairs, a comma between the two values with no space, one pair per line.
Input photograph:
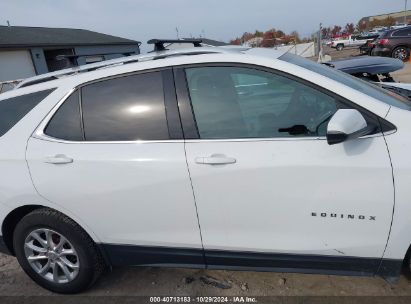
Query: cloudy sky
[216,19]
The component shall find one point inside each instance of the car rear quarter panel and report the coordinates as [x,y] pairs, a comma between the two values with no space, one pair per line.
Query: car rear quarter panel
[16,187]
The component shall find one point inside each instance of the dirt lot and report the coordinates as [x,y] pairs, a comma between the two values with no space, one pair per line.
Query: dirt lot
[173,282]
[403,75]
[346,53]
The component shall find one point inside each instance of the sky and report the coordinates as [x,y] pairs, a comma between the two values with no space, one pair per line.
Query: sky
[216,19]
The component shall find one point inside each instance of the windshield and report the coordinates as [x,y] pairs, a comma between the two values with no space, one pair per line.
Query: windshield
[362,86]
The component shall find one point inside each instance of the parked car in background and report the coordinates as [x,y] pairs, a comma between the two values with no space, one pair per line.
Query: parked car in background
[379,30]
[367,47]
[369,44]
[398,26]
[394,43]
[340,35]
[352,41]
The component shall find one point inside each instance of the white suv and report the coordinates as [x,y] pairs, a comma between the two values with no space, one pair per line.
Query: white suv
[205,157]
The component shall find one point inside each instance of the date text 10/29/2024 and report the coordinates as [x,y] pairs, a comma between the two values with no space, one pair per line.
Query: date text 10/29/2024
[234,299]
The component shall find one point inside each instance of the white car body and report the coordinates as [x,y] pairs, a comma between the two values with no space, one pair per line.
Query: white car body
[291,204]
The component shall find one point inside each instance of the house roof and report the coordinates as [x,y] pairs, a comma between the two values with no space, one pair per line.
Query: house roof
[23,36]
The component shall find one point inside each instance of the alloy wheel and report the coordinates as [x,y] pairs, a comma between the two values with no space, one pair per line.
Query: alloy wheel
[401,53]
[51,256]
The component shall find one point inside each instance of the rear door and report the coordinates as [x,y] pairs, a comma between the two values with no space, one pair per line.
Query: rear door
[113,155]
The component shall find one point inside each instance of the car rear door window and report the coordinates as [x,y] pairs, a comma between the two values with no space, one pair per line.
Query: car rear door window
[127,108]
[402,33]
[234,102]
[66,122]
[12,110]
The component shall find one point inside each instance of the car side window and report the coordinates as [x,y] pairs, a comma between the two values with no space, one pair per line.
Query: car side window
[125,109]
[12,110]
[66,122]
[402,33]
[235,102]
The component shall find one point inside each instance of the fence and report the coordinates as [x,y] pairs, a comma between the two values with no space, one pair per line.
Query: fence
[302,49]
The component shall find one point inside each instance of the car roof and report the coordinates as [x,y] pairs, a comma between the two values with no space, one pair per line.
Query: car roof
[114,62]
[89,72]
[148,57]
[389,32]
[269,58]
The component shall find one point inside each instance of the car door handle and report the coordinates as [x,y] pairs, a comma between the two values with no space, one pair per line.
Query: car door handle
[215,160]
[58,159]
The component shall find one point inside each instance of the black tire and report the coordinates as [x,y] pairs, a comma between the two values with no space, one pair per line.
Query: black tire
[402,53]
[90,259]
[339,47]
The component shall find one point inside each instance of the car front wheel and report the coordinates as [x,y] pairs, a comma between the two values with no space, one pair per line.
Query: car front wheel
[402,53]
[56,252]
[340,47]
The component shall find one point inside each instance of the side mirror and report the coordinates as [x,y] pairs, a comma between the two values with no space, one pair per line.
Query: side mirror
[346,124]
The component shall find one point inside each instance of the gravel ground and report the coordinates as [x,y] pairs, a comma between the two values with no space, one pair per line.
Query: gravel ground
[346,53]
[403,75]
[147,281]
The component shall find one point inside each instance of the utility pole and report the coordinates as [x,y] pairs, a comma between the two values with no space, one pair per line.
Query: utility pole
[8,23]
[178,36]
[319,42]
[405,12]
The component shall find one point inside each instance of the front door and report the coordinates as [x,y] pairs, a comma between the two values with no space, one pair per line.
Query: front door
[266,181]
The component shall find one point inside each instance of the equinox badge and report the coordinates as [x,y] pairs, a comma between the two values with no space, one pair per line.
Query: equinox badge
[344,216]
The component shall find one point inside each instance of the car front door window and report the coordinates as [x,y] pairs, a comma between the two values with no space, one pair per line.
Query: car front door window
[234,102]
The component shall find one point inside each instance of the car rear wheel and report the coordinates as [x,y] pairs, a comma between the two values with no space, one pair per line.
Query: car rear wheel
[340,47]
[56,252]
[402,53]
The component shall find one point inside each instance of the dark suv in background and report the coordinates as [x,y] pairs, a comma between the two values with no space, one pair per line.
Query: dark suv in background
[394,43]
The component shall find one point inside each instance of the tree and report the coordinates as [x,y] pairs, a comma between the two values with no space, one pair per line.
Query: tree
[247,36]
[389,21]
[280,34]
[336,29]
[269,38]
[361,26]
[326,32]
[258,34]
[349,28]
[295,36]
[236,41]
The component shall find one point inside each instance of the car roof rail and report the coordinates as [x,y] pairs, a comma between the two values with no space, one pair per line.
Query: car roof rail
[75,70]
[72,58]
[118,61]
[159,43]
